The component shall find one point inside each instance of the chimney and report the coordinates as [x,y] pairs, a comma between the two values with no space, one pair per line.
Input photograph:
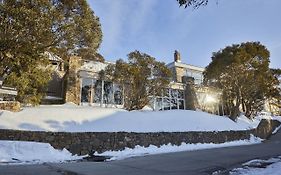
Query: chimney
[177,56]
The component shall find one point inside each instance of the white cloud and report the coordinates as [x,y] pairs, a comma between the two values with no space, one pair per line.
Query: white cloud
[110,13]
[140,14]
[121,21]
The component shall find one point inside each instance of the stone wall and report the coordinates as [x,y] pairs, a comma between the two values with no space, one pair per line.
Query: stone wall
[85,143]
[72,81]
[265,128]
[13,106]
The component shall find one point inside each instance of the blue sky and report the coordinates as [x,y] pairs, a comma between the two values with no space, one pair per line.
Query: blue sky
[158,27]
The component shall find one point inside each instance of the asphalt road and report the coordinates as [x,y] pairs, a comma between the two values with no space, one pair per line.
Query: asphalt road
[180,163]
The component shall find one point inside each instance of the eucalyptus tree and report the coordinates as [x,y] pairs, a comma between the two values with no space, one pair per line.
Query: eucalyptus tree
[142,77]
[192,3]
[242,72]
[29,28]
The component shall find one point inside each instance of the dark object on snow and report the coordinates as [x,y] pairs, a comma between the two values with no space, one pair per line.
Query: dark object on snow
[94,158]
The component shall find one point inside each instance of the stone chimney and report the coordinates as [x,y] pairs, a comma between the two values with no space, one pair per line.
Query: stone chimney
[177,56]
[72,92]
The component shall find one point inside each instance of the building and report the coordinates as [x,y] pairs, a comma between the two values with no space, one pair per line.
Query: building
[56,87]
[97,92]
[190,79]
[181,70]
[84,87]
[7,93]
[7,98]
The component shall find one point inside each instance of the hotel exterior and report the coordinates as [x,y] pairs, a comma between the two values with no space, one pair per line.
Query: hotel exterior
[83,86]
[80,84]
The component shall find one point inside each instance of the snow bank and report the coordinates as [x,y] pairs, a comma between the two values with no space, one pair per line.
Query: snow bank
[259,167]
[21,152]
[276,130]
[141,151]
[72,118]
[276,118]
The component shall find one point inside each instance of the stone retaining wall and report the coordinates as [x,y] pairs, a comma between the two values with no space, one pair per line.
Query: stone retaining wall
[85,143]
[265,128]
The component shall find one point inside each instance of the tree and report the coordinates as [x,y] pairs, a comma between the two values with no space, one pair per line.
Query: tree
[29,28]
[192,3]
[77,29]
[242,72]
[142,77]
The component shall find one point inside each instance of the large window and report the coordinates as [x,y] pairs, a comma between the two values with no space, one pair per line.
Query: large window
[198,77]
[86,93]
[118,94]
[108,93]
[171,99]
[97,91]
[101,92]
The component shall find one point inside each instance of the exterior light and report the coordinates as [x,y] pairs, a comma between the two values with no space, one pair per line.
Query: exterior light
[210,99]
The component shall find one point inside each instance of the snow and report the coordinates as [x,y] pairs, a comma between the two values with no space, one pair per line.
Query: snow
[276,130]
[259,167]
[276,118]
[94,66]
[22,152]
[73,118]
[52,98]
[152,149]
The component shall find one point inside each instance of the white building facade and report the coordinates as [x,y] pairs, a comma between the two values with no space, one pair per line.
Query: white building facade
[88,89]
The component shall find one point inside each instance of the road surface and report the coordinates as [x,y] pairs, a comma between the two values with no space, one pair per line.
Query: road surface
[180,163]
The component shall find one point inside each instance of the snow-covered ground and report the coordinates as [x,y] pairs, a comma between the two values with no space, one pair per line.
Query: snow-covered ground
[21,152]
[260,167]
[73,118]
[152,149]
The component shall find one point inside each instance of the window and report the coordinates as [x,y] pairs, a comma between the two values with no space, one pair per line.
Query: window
[97,89]
[86,90]
[171,99]
[189,73]
[101,92]
[108,92]
[181,104]
[198,77]
[181,94]
[118,97]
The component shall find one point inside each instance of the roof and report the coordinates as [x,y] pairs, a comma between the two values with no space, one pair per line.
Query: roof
[94,66]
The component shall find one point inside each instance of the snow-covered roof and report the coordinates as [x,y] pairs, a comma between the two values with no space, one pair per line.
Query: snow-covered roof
[94,66]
